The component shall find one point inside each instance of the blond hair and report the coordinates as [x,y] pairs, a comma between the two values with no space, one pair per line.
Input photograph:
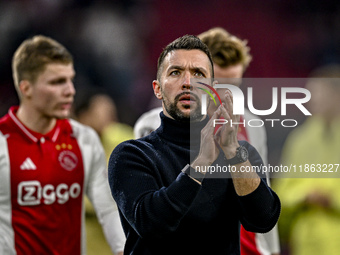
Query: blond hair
[226,49]
[32,56]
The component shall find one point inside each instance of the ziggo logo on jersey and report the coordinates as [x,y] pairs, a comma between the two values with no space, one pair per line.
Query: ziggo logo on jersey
[32,193]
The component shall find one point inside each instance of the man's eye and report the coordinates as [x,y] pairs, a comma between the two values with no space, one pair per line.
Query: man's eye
[199,74]
[174,73]
[58,81]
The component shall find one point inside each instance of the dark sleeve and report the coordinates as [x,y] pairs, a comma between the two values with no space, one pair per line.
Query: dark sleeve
[260,210]
[149,209]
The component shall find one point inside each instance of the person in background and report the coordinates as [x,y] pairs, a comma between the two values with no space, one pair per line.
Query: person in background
[96,109]
[231,58]
[147,123]
[310,222]
[48,161]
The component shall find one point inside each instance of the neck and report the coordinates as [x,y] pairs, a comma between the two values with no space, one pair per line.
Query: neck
[182,133]
[35,121]
[188,121]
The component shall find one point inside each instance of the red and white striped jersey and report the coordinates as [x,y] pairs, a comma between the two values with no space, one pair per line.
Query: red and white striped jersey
[43,179]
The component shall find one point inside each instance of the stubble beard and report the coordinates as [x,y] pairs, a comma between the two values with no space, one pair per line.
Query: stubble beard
[173,110]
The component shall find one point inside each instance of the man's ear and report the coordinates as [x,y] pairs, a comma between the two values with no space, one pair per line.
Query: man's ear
[215,82]
[157,89]
[25,88]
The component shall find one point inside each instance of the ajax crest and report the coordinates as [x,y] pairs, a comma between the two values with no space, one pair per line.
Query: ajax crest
[68,160]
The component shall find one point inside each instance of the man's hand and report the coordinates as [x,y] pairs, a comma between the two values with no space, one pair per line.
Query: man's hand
[226,138]
[226,135]
[209,149]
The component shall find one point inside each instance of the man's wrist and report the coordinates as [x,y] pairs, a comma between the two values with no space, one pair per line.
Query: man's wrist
[193,173]
[240,155]
[230,151]
[199,162]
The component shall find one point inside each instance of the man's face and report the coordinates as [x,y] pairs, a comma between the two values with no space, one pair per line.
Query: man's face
[181,101]
[325,99]
[234,71]
[51,95]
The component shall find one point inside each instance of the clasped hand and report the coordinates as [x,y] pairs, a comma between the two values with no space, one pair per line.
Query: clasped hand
[225,137]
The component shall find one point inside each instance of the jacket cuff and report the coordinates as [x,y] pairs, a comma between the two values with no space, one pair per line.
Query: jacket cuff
[260,209]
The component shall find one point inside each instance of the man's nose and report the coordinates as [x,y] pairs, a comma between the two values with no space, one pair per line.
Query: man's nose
[186,82]
[70,90]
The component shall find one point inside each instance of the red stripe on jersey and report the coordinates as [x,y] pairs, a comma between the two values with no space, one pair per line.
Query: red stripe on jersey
[248,242]
[47,177]
[247,239]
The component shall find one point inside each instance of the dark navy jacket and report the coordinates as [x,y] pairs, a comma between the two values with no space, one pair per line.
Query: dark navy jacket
[164,211]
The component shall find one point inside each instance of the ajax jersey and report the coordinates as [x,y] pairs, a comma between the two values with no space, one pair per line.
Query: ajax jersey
[41,189]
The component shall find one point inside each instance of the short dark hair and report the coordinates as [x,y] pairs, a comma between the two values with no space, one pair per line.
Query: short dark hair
[186,42]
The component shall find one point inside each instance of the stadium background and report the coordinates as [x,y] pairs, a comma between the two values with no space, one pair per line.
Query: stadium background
[116,44]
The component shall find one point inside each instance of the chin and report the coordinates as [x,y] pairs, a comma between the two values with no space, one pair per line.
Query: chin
[186,112]
[191,115]
[62,115]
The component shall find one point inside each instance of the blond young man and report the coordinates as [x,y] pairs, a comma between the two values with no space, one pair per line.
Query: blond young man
[48,162]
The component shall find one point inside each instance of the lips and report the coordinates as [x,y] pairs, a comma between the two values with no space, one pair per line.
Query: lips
[66,105]
[187,97]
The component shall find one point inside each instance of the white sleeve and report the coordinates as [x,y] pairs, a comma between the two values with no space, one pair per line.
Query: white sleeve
[98,191]
[7,243]
[267,243]
[97,187]
[147,123]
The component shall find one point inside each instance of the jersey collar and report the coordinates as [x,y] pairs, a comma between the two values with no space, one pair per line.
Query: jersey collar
[33,136]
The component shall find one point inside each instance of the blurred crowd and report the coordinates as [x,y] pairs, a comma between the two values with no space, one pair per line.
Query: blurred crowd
[115,44]
[106,38]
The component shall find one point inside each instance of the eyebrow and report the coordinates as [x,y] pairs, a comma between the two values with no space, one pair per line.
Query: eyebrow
[61,78]
[177,67]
